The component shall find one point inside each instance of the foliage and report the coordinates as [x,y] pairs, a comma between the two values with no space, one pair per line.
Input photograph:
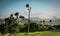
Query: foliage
[22,17]
[51,28]
[16,14]
[33,27]
[57,27]
[36,27]
[42,27]
[11,26]
[3,28]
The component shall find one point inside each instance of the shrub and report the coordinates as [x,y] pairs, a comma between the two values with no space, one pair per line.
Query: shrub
[51,28]
[57,27]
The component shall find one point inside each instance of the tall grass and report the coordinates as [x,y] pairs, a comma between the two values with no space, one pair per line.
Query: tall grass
[44,33]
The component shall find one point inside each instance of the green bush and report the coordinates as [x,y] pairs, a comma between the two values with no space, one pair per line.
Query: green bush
[51,28]
[42,27]
[57,27]
[3,29]
[33,27]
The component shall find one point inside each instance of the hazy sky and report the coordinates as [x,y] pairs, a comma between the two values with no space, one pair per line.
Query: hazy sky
[39,8]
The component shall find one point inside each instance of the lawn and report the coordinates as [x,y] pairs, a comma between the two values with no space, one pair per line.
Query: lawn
[45,33]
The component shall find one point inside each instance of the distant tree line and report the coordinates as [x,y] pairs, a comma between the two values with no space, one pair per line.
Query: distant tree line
[11,26]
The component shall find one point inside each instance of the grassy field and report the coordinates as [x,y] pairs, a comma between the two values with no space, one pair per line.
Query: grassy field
[46,33]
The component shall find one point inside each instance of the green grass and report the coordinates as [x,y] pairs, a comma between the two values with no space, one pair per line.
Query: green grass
[41,34]
[45,33]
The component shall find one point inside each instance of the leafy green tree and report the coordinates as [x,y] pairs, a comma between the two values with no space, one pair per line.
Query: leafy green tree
[22,17]
[3,29]
[42,27]
[51,28]
[33,27]
[57,27]
[12,25]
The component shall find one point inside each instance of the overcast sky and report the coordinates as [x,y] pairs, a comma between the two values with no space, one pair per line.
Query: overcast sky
[39,8]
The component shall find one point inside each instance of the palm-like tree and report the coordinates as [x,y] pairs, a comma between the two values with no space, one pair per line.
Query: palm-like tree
[43,21]
[29,9]
[50,21]
[11,16]
[27,5]
[17,14]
